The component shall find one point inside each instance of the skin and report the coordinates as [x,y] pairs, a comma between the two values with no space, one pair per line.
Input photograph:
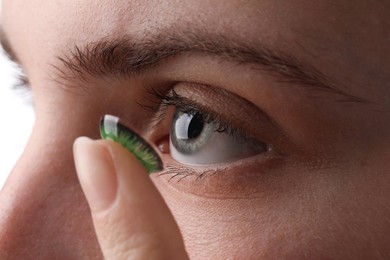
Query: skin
[323,191]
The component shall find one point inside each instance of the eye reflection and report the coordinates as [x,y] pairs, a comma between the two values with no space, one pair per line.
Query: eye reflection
[197,139]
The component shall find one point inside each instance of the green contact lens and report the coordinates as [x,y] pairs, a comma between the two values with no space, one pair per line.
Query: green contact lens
[111,128]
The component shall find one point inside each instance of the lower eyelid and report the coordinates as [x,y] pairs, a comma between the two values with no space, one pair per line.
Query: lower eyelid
[227,180]
[175,170]
[211,183]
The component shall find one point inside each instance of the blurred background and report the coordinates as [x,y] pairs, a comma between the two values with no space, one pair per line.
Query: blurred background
[16,115]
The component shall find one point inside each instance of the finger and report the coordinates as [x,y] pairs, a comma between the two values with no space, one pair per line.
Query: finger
[130,217]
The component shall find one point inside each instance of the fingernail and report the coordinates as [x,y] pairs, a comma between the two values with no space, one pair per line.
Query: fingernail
[112,128]
[96,173]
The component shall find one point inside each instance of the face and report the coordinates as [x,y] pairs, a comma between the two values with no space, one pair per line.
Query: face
[273,122]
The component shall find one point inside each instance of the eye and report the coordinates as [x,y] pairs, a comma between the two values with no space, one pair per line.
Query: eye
[198,138]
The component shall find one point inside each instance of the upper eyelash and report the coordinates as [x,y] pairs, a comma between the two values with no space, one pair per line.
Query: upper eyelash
[159,102]
[22,80]
[22,87]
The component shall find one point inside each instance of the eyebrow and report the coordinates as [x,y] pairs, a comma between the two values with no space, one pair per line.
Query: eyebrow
[124,57]
[6,45]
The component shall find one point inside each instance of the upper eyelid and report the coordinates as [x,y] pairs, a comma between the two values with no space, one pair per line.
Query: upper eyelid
[186,105]
[159,103]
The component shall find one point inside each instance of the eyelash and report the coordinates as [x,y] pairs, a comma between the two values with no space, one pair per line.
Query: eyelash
[21,81]
[184,172]
[21,86]
[162,101]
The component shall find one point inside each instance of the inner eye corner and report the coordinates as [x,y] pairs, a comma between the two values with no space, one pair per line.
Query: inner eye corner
[163,144]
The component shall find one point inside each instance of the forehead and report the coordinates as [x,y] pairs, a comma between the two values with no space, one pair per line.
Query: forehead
[59,22]
[85,20]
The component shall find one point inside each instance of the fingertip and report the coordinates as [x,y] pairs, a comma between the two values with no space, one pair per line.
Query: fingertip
[129,214]
[96,173]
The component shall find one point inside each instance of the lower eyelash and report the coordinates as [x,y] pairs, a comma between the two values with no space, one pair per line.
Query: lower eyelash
[184,172]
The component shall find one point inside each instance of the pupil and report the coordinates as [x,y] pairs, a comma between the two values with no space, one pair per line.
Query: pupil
[196,126]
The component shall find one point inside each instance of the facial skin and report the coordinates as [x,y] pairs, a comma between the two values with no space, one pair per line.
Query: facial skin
[323,189]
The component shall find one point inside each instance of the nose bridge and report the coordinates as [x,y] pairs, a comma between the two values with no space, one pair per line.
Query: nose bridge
[43,213]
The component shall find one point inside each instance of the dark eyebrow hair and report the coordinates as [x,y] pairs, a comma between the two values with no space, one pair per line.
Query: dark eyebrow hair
[123,57]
